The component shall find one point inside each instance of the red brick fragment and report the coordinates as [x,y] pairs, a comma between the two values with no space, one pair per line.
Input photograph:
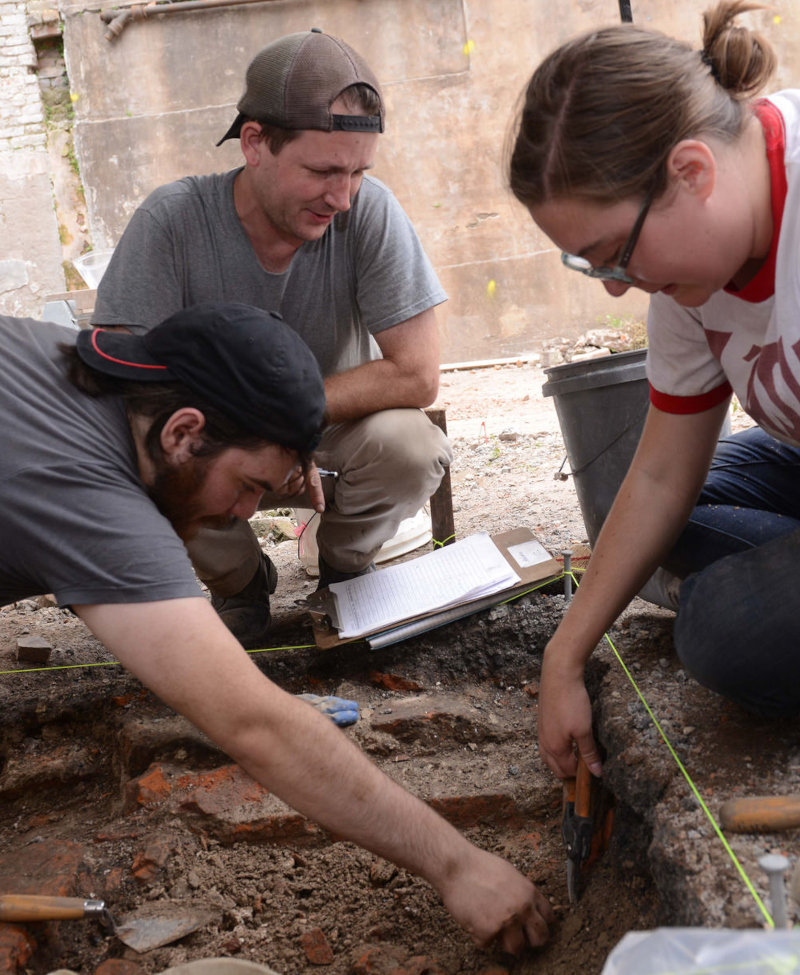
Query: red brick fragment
[533,689]
[316,947]
[114,835]
[231,804]
[148,790]
[50,868]
[393,682]
[119,966]
[16,949]
[211,793]
[149,862]
[467,811]
[237,808]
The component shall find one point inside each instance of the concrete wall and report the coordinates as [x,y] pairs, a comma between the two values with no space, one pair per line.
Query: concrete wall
[150,105]
[30,253]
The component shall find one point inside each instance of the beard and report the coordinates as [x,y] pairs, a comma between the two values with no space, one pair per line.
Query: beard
[175,491]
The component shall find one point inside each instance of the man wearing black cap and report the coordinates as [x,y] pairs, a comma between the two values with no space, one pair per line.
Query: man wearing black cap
[113,444]
[302,230]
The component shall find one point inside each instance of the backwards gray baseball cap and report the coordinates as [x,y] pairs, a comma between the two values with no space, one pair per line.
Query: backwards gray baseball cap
[292,83]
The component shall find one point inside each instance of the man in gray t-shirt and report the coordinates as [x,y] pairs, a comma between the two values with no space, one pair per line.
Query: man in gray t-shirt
[300,229]
[99,482]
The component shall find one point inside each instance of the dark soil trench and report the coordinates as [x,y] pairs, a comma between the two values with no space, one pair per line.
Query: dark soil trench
[107,793]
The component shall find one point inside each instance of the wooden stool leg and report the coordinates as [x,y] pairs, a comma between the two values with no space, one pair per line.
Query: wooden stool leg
[442,524]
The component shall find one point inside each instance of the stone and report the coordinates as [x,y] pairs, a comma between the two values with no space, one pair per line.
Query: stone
[382,872]
[608,338]
[40,770]
[33,649]
[316,947]
[119,966]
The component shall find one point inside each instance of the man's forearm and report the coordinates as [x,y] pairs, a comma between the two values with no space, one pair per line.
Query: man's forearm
[378,385]
[183,653]
[341,789]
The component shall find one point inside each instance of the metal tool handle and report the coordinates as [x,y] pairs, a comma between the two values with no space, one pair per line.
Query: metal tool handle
[35,907]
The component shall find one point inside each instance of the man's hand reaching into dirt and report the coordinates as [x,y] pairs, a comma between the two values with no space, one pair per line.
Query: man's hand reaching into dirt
[565,717]
[494,903]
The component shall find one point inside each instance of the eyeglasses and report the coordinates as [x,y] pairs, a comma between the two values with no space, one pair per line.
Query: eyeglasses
[617,273]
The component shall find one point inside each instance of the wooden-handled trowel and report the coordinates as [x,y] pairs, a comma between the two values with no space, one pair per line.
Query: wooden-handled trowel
[142,931]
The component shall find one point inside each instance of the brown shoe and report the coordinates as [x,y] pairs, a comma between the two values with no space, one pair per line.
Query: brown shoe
[246,614]
[328,575]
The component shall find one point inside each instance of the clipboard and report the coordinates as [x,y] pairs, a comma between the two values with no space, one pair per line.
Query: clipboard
[323,613]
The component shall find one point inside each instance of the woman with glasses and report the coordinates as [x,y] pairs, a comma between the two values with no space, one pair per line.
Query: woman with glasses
[651,166]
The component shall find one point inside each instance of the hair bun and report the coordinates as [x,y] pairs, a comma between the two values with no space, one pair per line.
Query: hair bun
[740,59]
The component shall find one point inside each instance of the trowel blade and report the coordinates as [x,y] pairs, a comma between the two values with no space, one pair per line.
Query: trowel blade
[572,881]
[144,932]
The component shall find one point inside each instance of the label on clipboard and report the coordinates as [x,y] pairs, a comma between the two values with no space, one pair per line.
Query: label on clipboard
[529,553]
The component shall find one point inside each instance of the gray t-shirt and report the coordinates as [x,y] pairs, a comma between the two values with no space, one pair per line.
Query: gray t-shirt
[186,244]
[75,519]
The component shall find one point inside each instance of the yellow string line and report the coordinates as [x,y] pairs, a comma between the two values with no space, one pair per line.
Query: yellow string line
[688,778]
[116,663]
[437,544]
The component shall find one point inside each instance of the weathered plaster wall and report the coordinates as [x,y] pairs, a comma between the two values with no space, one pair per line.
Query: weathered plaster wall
[30,253]
[150,105]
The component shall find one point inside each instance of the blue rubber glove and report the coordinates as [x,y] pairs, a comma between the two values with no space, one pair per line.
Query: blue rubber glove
[340,711]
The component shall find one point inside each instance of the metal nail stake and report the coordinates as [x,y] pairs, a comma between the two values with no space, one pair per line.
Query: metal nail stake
[775,866]
[567,553]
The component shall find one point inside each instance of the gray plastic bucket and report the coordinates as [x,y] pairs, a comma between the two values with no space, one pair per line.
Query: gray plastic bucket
[601,406]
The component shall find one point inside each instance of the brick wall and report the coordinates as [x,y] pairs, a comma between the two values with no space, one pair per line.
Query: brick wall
[30,253]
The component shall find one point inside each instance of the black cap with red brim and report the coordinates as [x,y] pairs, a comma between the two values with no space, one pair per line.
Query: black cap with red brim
[246,362]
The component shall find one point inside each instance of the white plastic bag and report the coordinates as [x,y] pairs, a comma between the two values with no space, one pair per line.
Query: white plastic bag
[697,951]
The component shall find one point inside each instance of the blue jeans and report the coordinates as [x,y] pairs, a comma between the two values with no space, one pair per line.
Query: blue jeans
[738,625]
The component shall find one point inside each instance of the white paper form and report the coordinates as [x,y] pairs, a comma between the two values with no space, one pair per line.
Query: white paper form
[468,569]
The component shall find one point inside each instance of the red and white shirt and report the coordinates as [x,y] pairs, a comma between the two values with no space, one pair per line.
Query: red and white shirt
[747,341]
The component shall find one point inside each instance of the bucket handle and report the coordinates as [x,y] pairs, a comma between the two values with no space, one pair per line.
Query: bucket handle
[563,477]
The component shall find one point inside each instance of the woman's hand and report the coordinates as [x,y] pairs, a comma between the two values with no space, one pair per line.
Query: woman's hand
[565,717]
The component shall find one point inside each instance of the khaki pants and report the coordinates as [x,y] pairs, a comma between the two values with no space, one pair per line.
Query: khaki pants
[389,464]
